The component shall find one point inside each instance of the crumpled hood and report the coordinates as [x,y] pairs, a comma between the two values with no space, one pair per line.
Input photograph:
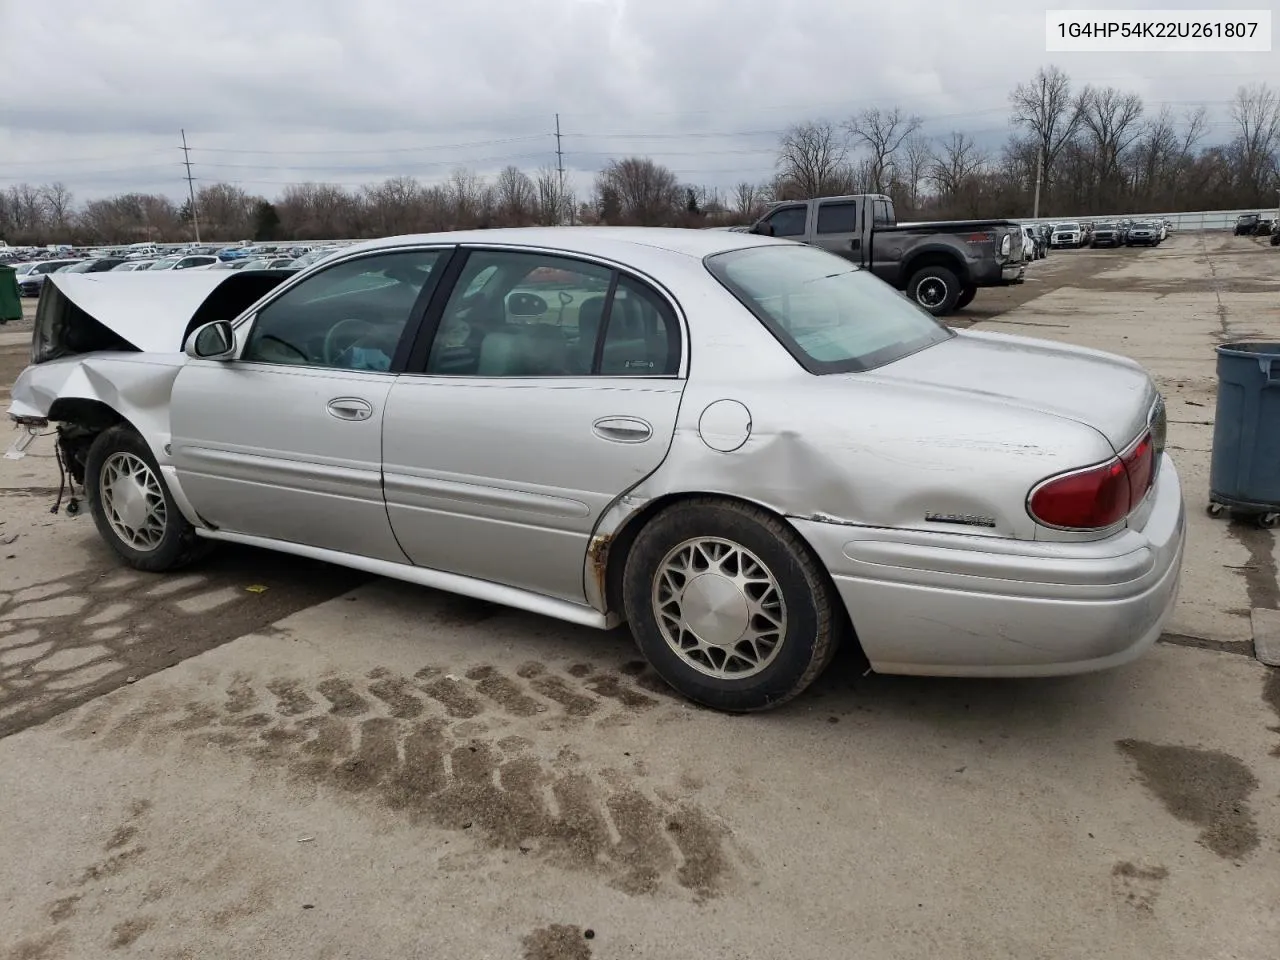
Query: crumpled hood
[1110,393]
[140,310]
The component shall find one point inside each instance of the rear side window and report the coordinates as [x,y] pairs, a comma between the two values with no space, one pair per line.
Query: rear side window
[838,217]
[830,315]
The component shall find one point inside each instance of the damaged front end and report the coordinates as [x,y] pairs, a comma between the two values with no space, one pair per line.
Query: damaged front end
[107,348]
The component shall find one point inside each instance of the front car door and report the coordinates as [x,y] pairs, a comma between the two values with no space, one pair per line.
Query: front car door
[285,441]
[550,387]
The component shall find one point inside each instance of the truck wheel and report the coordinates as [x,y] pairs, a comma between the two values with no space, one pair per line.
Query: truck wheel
[936,289]
[729,606]
[133,509]
[966,297]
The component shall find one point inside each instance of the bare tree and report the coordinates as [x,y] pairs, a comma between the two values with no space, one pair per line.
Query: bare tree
[1112,120]
[958,160]
[917,154]
[882,132]
[647,193]
[747,204]
[515,197]
[1256,111]
[58,202]
[1045,108]
[554,200]
[393,207]
[812,159]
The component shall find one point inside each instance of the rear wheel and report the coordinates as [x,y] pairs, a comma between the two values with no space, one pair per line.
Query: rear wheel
[729,606]
[936,289]
[132,507]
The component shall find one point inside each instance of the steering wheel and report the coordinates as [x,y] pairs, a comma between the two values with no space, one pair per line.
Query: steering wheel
[331,353]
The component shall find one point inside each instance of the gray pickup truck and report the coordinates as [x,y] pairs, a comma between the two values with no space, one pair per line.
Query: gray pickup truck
[939,265]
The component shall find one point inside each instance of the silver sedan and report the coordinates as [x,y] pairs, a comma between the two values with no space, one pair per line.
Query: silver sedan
[747,449]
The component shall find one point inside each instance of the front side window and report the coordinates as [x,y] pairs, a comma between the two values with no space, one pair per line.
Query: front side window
[830,315]
[350,316]
[789,221]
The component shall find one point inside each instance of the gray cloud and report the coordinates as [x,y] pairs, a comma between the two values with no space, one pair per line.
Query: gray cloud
[272,91]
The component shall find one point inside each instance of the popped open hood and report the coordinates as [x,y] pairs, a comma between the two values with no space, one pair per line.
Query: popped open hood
[140,311]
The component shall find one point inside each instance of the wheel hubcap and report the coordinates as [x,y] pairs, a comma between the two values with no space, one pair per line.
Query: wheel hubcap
[133,501]
[931,292]
[719,608]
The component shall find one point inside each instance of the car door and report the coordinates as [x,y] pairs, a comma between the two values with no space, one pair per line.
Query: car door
[838,228]
[550,386]
[285,441]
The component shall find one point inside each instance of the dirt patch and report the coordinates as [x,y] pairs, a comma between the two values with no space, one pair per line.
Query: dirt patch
[67,641]
[1139,887]
[378,739]
[1206,788]
[558,941]
[1261,578]
[125,933]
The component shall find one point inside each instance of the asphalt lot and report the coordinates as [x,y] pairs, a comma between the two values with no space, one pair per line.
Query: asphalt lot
[335,766]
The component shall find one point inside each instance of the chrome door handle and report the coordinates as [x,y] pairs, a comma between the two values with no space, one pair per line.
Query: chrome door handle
[622,429]
[350,408]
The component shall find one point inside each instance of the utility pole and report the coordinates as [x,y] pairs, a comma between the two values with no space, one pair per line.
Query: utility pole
[191,189]
[560,168]
[1035,212]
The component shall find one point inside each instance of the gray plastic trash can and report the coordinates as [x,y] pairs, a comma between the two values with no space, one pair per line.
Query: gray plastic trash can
[1245,473]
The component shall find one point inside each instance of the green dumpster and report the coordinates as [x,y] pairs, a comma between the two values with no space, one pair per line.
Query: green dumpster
[10,296]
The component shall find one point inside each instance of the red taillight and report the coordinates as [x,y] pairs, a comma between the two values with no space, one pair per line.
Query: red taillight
[1096,497]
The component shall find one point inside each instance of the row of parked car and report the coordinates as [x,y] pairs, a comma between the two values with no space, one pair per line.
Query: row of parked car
[1256,225]
[1109,233]
[32,272]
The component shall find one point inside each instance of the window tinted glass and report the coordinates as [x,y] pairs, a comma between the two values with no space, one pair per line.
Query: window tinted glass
[521,315]
[831,316]
[837,218]
[643,336]
[350,316]
[789,222]
[881,212]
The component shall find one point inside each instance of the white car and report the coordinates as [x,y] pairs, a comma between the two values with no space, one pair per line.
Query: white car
[748,449]
[1028,244]
[194,262]
[1068,234]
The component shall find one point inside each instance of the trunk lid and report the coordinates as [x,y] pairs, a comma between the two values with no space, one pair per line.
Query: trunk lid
[1112,394]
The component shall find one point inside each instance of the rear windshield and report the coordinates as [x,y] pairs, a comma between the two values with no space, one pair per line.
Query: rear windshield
[833,317]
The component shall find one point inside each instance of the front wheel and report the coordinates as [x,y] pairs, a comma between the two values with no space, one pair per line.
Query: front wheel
[936,289]
[132,508]
[966,297]
[729,606]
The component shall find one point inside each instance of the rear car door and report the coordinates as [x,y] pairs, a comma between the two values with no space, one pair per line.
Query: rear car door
[838,228]
[285,441]
[550,386]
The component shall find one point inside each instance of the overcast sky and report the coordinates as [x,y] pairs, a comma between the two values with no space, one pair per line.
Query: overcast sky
[94,93]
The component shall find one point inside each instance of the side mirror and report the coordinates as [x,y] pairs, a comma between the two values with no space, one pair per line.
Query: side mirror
[213,341]
[764,228]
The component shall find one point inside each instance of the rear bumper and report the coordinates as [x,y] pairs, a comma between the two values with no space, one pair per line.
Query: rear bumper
[955,605]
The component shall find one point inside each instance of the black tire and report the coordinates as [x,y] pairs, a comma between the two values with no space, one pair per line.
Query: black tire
[941,289]
[814,619]
[178,546]
[966,297]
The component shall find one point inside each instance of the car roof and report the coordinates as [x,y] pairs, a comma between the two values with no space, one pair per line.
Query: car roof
[618,243]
